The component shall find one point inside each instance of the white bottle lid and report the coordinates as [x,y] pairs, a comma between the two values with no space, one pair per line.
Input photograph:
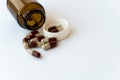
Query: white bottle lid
[59,35]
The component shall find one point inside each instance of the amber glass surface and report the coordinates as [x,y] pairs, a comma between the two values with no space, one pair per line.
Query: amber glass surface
[28,13]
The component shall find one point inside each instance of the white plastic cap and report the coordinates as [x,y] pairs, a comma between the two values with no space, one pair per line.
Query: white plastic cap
[59,35]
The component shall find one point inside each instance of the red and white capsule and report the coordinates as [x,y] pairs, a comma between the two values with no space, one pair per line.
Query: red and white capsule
[49,45]
[35,33]
[47,40]
[54,29]
[38,38]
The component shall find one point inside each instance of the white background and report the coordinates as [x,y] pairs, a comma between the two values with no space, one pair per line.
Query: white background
[92,51]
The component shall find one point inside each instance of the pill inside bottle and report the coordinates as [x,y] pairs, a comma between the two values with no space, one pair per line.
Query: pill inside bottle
[29,13]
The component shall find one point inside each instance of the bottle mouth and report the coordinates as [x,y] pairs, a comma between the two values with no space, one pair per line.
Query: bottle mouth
[34,19]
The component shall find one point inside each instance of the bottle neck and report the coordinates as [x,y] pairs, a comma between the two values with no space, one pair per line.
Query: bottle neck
[34,19]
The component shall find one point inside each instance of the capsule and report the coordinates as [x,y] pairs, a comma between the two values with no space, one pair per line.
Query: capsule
[29,37]
[55,29]
[25,40]
[25,44]
[49,45]
[32,44]
[34,53]
[31,22]
[38,38]
[34,33]
[46,40]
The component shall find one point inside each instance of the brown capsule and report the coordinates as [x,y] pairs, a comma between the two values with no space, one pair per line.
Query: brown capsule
[47,40]
[39,38]
[36,54]
[49,45]
[31,22]
[30,37]
[55,30]
[51,28]
[53,44]
[34,32]
[25,40]
[34,39]
[52,39]
[32,44]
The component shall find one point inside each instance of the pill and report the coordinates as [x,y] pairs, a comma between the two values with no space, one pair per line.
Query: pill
[34,39]
[34,53]
[46,46]
[32,44]
[30,37]
[34,33]
[53,44]
[52,39]
[46,40]
[55,29]
[25,40]
[31,22]
[25,44]
[39,44]
[60,28]
[49,45]
[51,28]
[40,38]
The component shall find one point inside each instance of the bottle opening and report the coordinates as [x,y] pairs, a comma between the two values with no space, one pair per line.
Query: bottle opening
[34,20]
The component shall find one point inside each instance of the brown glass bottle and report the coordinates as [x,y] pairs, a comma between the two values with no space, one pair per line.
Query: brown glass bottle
[28,13]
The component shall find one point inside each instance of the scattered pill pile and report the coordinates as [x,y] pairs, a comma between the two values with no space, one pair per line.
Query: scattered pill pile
[34,39]
[52,33]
